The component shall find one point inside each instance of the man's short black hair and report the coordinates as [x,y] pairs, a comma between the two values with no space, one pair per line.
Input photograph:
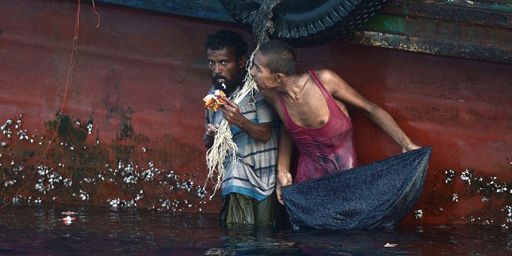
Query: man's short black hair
[227,39]
[280,56]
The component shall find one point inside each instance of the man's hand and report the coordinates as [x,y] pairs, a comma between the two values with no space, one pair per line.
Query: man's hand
[409,147]
[231,112]
[283,179]
[209,134]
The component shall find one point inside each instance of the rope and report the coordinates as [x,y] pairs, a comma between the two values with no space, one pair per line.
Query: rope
[223,146]
[69,73]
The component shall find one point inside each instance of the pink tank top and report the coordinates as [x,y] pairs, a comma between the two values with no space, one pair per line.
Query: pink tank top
[325,149]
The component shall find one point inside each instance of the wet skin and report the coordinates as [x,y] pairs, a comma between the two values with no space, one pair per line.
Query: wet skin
[225,67]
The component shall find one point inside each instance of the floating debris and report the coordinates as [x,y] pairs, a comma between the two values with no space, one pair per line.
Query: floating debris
[68,220]
[388,245]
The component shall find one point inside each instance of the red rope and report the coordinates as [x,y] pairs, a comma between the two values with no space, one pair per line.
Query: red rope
[96,13]
[69,73]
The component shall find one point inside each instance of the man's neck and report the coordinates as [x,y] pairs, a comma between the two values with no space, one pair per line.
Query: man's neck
[293,86]
[230,89]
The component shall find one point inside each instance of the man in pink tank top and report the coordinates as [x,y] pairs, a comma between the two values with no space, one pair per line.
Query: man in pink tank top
[312,108]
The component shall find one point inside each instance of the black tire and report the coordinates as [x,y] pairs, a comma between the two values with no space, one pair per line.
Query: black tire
[308,22]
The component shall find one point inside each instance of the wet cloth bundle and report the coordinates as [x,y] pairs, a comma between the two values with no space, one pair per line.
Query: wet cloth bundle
[378,195]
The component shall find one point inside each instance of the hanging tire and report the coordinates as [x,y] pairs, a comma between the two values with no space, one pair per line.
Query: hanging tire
[308,22]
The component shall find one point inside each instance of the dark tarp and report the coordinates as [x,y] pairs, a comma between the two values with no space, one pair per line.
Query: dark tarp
[378,195]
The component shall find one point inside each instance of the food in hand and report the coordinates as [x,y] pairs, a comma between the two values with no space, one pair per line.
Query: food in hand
[214,101]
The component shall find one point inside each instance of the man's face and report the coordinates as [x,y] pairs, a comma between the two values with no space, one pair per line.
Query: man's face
[261,74]
[225,67]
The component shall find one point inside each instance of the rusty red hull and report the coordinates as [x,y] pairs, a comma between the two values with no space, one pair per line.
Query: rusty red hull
[132,125]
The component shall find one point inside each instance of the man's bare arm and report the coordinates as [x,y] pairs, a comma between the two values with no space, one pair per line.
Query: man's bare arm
[284,176]
[260,132]
[343,92]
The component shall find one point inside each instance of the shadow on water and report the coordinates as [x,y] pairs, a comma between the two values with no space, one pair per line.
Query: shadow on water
[100,230]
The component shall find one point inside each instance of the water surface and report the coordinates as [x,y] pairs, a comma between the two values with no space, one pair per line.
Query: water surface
[101,230]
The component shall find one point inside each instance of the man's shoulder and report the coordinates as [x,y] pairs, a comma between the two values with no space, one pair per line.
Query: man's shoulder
[331,80]
[326,74]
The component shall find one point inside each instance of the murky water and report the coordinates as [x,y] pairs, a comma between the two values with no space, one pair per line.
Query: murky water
[106,231]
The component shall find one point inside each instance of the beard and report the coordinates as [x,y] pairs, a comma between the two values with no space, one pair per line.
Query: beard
[220,81]
[227,85]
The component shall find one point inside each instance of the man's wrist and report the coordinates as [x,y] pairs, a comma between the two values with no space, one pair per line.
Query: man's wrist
[243,122]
